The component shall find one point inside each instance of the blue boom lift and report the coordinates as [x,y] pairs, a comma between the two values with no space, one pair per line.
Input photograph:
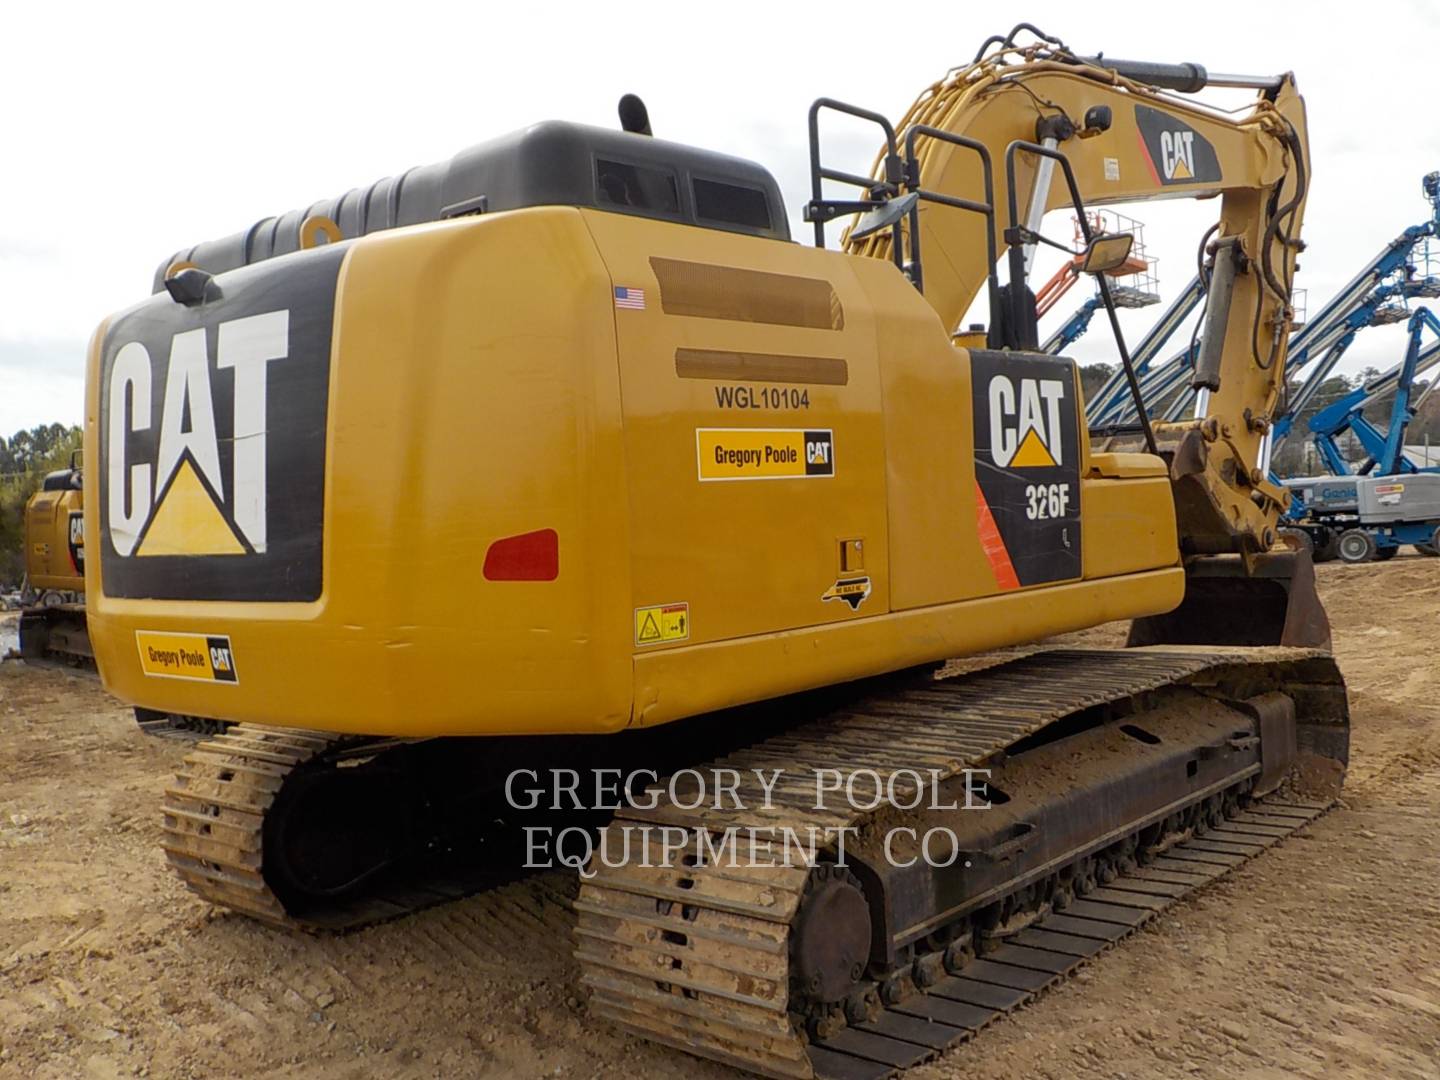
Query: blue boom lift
[1326,512]
[1367,511]
[1389,275]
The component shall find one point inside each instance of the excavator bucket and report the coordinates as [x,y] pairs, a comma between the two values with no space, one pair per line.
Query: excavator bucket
[1271,602]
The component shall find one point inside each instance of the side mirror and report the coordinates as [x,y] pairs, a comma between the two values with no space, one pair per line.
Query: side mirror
[1107,252]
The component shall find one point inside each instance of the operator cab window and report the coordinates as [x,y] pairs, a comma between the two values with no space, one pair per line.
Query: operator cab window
[636,187]
[731,204]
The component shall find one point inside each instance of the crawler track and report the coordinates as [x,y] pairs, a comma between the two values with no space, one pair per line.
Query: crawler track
[178,727]
[281,824]
[215,814]
[215,831]
[955,1008]
[700,956]
[56,635]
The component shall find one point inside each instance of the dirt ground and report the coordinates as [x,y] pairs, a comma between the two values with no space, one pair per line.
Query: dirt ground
[1319,959]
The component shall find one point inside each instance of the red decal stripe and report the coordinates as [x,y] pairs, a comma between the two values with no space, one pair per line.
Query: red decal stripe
[993,544]
[1145,153]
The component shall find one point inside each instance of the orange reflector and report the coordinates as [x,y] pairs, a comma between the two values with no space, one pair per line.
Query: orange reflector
[532,556]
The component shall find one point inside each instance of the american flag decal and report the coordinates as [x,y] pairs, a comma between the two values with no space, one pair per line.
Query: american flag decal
[629,298]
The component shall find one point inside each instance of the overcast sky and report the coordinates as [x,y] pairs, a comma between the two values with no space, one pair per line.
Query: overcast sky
[131,132]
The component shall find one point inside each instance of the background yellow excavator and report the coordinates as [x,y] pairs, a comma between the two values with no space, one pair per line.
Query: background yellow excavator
[561,453]
[55,569]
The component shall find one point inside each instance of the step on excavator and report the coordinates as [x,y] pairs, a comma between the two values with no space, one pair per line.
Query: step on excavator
[562,454]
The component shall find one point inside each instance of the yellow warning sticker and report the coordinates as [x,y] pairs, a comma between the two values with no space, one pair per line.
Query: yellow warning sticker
[764,453]
[661,623]
[198,657]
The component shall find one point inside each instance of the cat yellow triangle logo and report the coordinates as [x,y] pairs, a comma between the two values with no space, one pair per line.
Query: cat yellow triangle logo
[1032,453]
[1181,171]
[187,521]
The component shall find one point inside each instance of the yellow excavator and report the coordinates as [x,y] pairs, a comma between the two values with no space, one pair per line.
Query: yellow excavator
[560,458]
[54,625]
